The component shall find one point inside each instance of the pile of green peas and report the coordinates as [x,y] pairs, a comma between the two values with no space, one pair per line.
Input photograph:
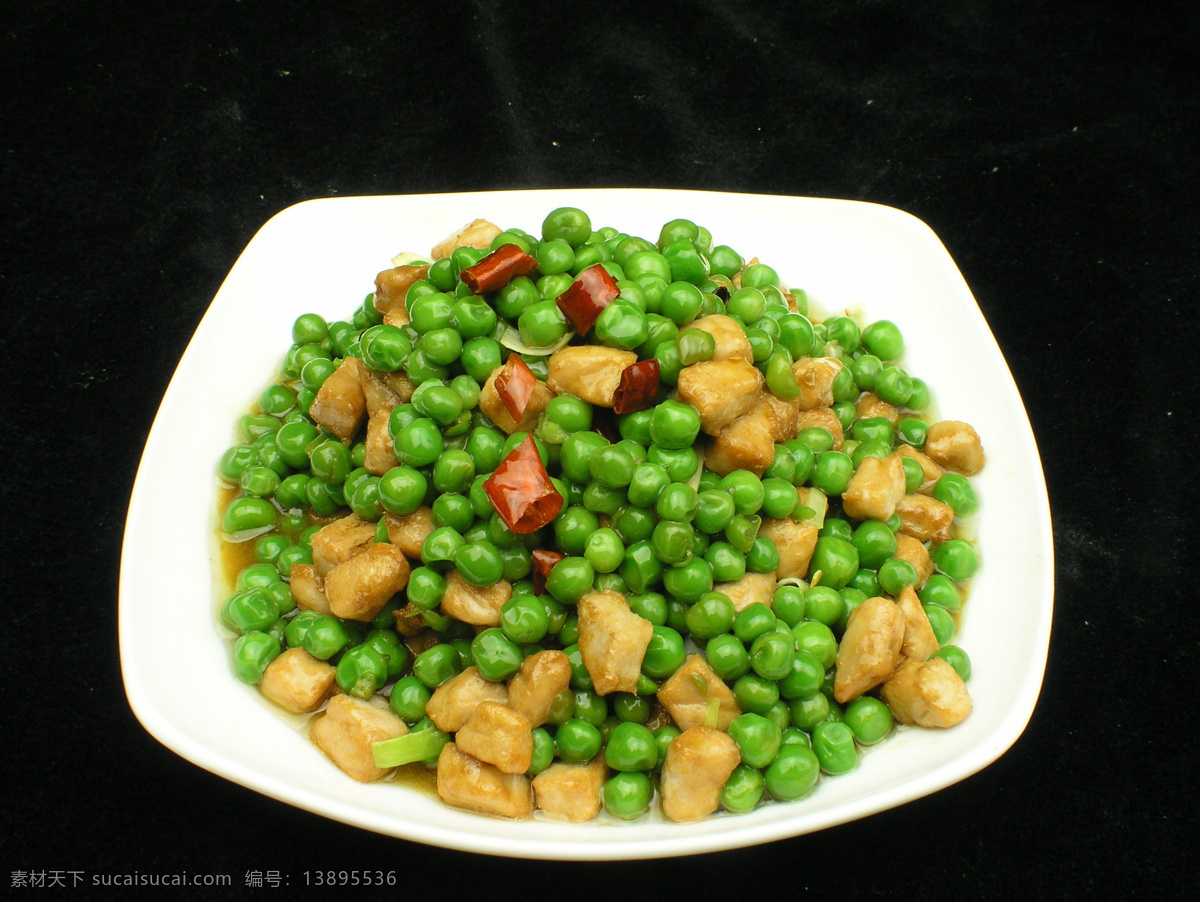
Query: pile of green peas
[642,516]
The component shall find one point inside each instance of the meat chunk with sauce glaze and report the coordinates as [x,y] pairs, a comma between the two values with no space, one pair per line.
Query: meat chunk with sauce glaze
[699,761]
[571,792]
[870,648]
[927,694]
[533,688]
[359,588]
[453,701]
[298,682]
[345,733]
[498,735]
[720,390]
[466,782]
[612,641]
[590,372]
[687,692]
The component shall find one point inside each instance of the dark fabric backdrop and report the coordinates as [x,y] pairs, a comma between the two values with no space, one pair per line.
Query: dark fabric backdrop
[1050,146]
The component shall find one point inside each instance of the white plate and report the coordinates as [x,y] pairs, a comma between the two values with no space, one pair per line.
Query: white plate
[322,256]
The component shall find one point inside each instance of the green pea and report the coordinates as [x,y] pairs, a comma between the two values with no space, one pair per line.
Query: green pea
[665,653]
[746,489]
[409,698]
[958,660]
[895,574]
[690,581]
[604,550]
[727,563]
[361,671]
[631,747]
[543,752]
[577,741]
[480,358]
[808,711]
[771,655]
[252,654]
[757,738]
[402,490]
[246,517]
[627,795]
[940,590]
[956,558]
[818,640]
[437,664]
[869,719]
[883,340]
[755,693]
[479,563]
[823,603]
[496,656]
[715,510]
[835,559]
[680,463]
[763,556]
[325,636]
[570,579]
[641,568]
[956,491]
[787,603]
[569,224]
[833,743]
[674,425]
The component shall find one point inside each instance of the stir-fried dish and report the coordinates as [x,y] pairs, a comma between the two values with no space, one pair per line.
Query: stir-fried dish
[589,522]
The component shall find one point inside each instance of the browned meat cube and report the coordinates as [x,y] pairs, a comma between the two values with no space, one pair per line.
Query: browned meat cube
[571,792]
[686,695]
[453,701]
[612,641]
[871,405]
[590,372]
[720,390]
[915,552]
[784,416]
[533,688]
[347,729]
[478,233]
[919,640]
[383,391]
[815,377]
[408,533]
[359,588]
[795,543]
[822,418]
[699,761]
[751,588]
[497,735]
[748,443]
[955,446]
[730,337]
[870,648]
[494,409]
[925,518]
[464,782]
[875,488]
[927,694]
[391,285]
[339,541]
[478,606]
[308,589]
[340,404]
[380,453]
[298,682]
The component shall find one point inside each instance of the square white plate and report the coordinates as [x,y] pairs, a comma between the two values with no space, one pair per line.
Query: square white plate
[322,256]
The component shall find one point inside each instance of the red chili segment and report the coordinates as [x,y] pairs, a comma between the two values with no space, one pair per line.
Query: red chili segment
[515,384]
[497,269]
[638,388]
[587,297]
[543,563]
[521,491]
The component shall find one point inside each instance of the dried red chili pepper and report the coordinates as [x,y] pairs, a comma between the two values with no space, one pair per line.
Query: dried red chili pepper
[588,295]
[515,384]
[543,563]
[521,491]
[638,388]
[497,269]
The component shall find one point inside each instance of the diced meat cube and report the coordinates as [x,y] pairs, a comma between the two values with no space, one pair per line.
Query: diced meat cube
[699,761]
[870,648]
[476,605]
[494,409]
[751,588]
[359,588]
[720,390]
[408,533]
[298,682]
[496,734]
[533,688]
[347,729]
[391,285]
[919,640]
[339,541]
[410,620]
[925,518]
[464,782]
[340,404]
[915,552]
[590,372]
[871,405]
[927,694]
[784,415]
[453,701]
[380,452]
[815,377]
[687,692]
[955,446]
[795,543]
[748,443]
[730,337]
[875,488]
[383,391]
[478,233]
[612,641]
[932,471]
[822,418]
[571,792]
[308,589]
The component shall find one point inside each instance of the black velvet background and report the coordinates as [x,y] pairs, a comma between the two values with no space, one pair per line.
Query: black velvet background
[1048,144]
